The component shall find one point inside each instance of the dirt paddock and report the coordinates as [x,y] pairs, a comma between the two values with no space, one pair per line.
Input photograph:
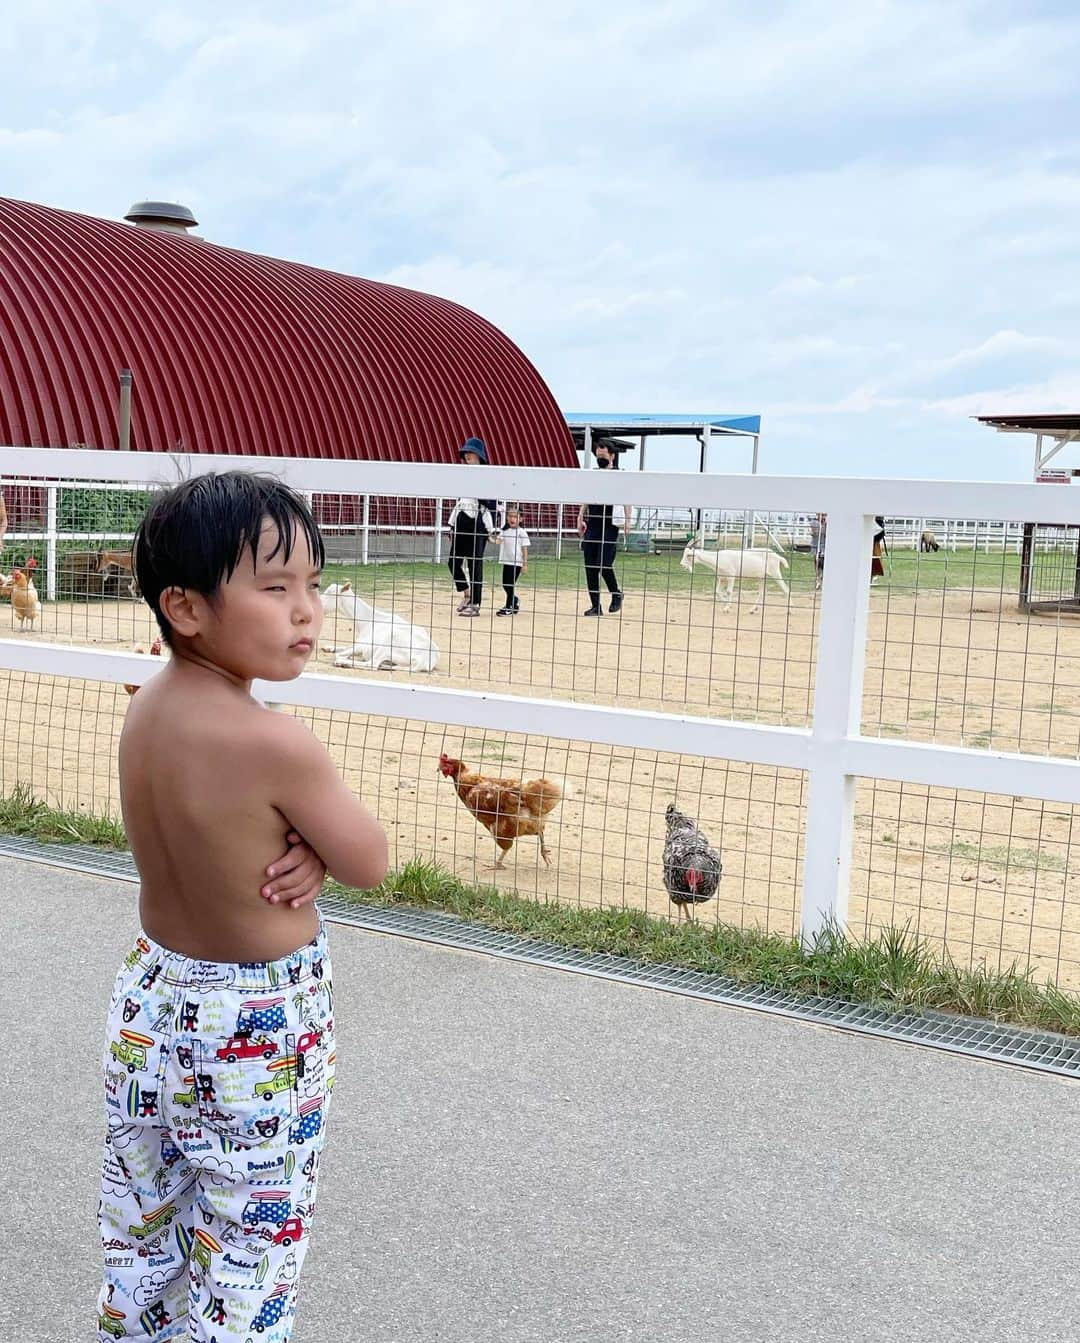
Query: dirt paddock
[989,877]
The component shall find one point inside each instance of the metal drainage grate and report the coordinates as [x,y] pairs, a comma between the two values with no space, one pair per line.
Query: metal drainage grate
[975,1038]
[115,863]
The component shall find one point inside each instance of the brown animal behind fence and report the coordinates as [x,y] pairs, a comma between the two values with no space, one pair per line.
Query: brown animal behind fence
[121,559]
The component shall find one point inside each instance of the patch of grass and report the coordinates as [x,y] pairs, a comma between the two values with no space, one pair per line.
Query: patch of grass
[906,571]
[23,814]
[488,750]
[1002,855]
[892,969]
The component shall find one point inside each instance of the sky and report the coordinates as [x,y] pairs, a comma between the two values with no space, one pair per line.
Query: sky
[857,218]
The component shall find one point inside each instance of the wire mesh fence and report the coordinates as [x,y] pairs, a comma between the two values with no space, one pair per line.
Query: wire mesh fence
[952,656]
[605,835]
[511,616]
[987,878]
[951,659]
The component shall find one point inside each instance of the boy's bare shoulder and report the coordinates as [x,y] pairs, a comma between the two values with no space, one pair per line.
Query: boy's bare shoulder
[278,734]
[242,732]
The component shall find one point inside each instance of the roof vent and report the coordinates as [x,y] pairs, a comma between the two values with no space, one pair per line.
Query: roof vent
[162,215]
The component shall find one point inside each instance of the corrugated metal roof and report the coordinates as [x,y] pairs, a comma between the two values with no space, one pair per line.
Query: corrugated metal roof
[1032,424]
[233,352]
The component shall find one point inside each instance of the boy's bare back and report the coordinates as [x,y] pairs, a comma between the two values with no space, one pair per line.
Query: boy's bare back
[211,782]
[197,768]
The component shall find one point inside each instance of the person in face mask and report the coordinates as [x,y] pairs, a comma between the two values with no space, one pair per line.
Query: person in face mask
[599,539]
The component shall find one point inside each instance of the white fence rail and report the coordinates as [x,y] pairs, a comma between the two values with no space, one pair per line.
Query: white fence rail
[832,751]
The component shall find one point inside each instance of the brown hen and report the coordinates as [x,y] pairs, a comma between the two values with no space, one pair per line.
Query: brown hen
[509,808]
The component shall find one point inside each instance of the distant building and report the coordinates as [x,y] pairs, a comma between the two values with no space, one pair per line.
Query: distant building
[237,353]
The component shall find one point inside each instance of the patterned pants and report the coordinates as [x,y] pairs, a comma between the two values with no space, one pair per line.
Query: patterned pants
[217,1080]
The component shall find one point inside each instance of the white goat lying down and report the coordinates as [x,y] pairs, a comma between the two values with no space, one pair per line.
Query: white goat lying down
[730,565]
[382,638]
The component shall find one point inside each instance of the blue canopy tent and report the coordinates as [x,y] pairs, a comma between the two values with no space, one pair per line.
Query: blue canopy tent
[588,427]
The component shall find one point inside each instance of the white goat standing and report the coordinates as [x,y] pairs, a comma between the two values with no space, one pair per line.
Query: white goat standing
[382,639]
[730,565]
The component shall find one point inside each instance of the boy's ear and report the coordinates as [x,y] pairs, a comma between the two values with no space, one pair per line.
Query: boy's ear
[179,610]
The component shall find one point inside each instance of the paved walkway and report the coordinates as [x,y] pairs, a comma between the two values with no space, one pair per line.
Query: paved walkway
[527,1156]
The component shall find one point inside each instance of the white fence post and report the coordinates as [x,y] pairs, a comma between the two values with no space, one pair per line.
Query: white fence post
[841,661]
[438,531]
[50,544]
[365,530]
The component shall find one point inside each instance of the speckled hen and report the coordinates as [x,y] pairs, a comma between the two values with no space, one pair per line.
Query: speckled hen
[692,866]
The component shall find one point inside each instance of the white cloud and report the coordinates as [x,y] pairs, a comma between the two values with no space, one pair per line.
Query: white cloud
[1060,394]
[1005,343]
[799,286]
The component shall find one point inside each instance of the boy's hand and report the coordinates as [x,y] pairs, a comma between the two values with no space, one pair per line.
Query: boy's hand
[298,874]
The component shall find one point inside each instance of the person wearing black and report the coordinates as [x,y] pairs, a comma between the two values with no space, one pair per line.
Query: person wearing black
[877,569]
[818,524]
[599,538]
[472,525]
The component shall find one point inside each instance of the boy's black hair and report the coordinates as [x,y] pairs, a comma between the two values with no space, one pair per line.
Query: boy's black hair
[194,534]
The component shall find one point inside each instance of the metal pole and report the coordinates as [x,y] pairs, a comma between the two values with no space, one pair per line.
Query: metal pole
[365,530]
[558,532]
[438,531]
[124,436]
[641,452]
[50,544]
[748,540]
[588,462]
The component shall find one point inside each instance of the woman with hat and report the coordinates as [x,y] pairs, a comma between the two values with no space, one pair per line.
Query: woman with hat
[472,526]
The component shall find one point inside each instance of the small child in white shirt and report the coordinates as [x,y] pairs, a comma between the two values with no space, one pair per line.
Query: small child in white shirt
[514,558]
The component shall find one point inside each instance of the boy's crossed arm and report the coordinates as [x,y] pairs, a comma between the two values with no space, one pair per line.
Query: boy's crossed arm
[297,876]
[317,804]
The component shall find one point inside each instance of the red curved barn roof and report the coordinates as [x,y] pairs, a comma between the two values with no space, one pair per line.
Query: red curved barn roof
[238,353]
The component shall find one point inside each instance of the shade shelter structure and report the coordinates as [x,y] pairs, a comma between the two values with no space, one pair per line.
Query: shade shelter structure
[620,428]
[1049,553]
[1052,433]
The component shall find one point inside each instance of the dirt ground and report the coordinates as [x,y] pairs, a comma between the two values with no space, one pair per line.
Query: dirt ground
[988,877]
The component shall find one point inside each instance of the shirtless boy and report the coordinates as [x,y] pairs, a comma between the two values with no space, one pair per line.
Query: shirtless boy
[219,1055]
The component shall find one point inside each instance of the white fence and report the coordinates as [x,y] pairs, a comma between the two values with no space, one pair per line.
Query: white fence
[832,751]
